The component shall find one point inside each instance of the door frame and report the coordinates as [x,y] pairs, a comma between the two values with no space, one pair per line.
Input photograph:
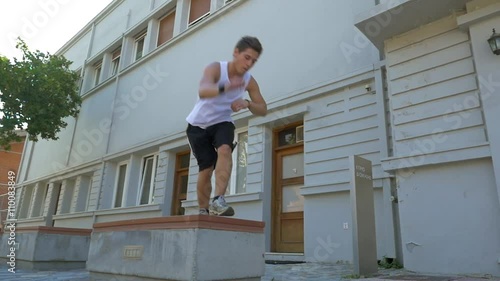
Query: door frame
[277,181]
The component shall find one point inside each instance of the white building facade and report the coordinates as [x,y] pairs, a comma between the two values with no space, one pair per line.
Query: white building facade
[416,93]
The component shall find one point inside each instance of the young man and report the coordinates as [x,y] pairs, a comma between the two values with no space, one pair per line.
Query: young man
[210,128]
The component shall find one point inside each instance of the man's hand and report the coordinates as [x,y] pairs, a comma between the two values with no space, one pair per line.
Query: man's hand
[240,104]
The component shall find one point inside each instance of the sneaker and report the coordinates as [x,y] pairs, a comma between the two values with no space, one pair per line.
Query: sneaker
[219,207]
[203,212]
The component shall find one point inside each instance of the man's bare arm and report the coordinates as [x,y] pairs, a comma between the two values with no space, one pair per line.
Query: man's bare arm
[257,105]
[208,84]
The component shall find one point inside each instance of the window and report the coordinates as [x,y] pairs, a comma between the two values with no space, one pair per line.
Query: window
[120,186]
[69,192]
[139,46]
[166,29]
[115,62]
[239,172]
[148,179]
[181,182]
[26,201]
[39,200]
[198,10]
[83,194]
[97,73]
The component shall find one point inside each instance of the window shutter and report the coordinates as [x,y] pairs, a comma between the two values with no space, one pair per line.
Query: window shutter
[198,9]
[166,30]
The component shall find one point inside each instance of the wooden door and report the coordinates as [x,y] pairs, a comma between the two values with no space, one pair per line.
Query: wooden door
[288,209]
[180,183]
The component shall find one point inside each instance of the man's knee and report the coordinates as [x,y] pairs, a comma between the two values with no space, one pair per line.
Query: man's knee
[224,150]
[206,171]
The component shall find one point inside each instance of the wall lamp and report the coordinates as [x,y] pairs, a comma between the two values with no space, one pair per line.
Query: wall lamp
[494,42]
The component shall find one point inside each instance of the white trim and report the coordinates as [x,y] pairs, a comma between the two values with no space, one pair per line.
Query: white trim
[125,184]
[485,13]
[439,157]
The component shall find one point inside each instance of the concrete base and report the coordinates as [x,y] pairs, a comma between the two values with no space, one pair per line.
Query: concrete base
[47,248]
[106,277]
[284,258]
[46,265]
[178,248]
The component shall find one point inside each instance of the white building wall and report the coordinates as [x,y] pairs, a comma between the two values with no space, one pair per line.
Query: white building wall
[157,93]
[50,157]
[93,126]
[433,90]
[343,123]
[446,184]
[450,213]
[78,52]
[123,17]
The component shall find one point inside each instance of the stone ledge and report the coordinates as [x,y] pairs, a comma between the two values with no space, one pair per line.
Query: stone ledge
[49,247]
[196,247]
[55,230]
[183,222]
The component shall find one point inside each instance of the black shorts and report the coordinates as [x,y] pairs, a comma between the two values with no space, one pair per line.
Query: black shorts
[204,142]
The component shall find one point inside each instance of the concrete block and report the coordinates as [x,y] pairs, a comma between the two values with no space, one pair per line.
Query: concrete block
[178,248]
[48,248]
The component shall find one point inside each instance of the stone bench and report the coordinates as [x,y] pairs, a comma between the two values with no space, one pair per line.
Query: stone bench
[47,247]
[193,247]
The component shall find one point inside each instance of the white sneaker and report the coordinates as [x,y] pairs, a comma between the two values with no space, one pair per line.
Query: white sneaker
[219,207]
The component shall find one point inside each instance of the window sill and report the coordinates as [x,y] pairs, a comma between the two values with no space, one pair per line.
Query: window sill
[27,220]
[132,209]
[73,215]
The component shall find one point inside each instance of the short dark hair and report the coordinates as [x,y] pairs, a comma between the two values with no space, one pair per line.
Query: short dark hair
[249,42]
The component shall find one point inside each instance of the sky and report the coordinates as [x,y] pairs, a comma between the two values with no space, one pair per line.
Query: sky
[45,25]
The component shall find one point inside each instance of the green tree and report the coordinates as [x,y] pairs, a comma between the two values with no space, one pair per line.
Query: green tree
[36,93]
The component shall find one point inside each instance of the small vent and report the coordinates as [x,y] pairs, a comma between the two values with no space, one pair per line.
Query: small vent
[299,133]
[133,252]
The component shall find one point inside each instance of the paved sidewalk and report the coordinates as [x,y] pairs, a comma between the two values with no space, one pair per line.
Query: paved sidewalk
[278,272]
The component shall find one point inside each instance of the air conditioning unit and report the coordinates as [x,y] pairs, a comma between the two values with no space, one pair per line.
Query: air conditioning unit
[299,133]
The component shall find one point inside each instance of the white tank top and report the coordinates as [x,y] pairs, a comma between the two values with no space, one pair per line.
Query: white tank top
[211,111]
